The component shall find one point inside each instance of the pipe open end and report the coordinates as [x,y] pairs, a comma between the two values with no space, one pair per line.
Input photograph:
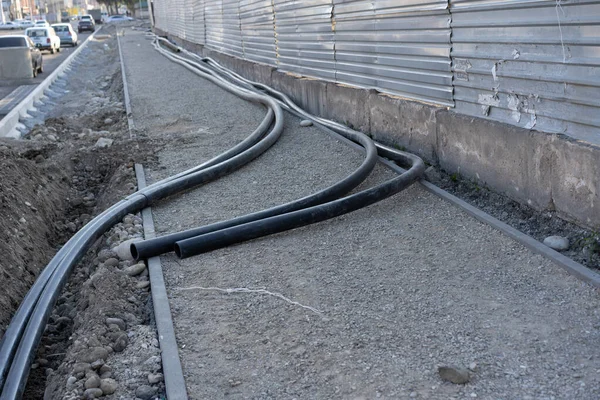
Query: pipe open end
[134,252]
[177,250]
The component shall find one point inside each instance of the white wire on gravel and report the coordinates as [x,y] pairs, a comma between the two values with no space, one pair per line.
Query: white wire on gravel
[259,291]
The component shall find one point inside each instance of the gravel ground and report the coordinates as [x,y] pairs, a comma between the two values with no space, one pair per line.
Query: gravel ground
[76,159]
[399,288]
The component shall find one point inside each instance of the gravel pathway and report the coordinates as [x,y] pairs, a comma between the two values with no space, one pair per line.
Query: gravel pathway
[399,288]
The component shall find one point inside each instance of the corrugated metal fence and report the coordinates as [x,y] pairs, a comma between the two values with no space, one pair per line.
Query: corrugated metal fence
[530,63]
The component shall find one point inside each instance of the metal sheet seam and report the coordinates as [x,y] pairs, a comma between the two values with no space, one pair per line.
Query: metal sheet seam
[451,49]
[204,24]
[332,18]
[275,33]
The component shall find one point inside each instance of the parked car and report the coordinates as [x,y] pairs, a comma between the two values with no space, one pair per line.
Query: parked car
[19,41]
[10,25]
[24,24]
[44,38]
[41,23]
[86,24]
[118,18]
[66,34]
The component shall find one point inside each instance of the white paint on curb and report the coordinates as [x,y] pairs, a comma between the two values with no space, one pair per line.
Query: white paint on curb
[9,124]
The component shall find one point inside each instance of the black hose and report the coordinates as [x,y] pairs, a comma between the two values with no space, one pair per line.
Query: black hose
[28,324]
[280,223]
[153,247]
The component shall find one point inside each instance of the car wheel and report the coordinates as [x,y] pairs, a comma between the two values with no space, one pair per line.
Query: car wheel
[41,68]
[58,49]
[51,50]
[35,71]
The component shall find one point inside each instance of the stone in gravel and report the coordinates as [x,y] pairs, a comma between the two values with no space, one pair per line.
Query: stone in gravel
[97,364]
[124,251]
[52,138]
[39,158]
[454,374]
[145,392]
[92,382]
[135,269]
[117,321]
[104,143]
[155,378]
[71,380]
[306,122]
[120,343]
[108,386]
[106,375]
[92,393]
[111,262]
[93,354]
[558,243]
[108,121]
[105,254]
[71,227]
[105,368]
[81,367]
[142,284]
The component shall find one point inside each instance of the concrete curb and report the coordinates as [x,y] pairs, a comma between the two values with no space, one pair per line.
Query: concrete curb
[9,123]
[172,371]
[126,99]
[572,267]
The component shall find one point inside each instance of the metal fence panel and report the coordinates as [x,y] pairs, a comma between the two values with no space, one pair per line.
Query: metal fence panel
[258,31]
[194,21]
[176,18]
[534,64]
[400,47]
[160,15]
[530,63]
[213,16]
[305,37]
[232,32]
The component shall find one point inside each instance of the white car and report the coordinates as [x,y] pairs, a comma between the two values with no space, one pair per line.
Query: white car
[44,38]
[41,23]
[24,24]
[10,25]
[118,18]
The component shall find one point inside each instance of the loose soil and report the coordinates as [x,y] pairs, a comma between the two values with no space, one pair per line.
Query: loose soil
[55,180]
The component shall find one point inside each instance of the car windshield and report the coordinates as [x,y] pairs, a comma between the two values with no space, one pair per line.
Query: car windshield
[86,17]
[37,33]
[59,28]
[8,41]
[41,23]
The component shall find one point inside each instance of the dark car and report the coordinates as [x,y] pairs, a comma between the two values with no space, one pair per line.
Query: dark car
[21,41]
[86,25]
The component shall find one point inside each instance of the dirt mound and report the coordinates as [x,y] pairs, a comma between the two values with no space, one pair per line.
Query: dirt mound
[33,197]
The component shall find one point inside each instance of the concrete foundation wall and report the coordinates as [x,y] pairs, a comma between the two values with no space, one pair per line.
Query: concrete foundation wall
[15,63]
[545,171]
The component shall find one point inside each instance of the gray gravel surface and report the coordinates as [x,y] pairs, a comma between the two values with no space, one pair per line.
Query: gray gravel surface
[401,287]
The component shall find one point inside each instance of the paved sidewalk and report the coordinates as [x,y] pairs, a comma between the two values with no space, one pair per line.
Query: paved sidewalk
[401,287]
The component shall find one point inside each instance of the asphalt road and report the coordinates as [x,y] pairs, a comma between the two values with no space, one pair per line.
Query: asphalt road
[50,62]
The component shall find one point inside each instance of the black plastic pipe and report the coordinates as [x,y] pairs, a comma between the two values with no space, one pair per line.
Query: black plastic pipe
[280,223]
[157,246]
[30,320]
